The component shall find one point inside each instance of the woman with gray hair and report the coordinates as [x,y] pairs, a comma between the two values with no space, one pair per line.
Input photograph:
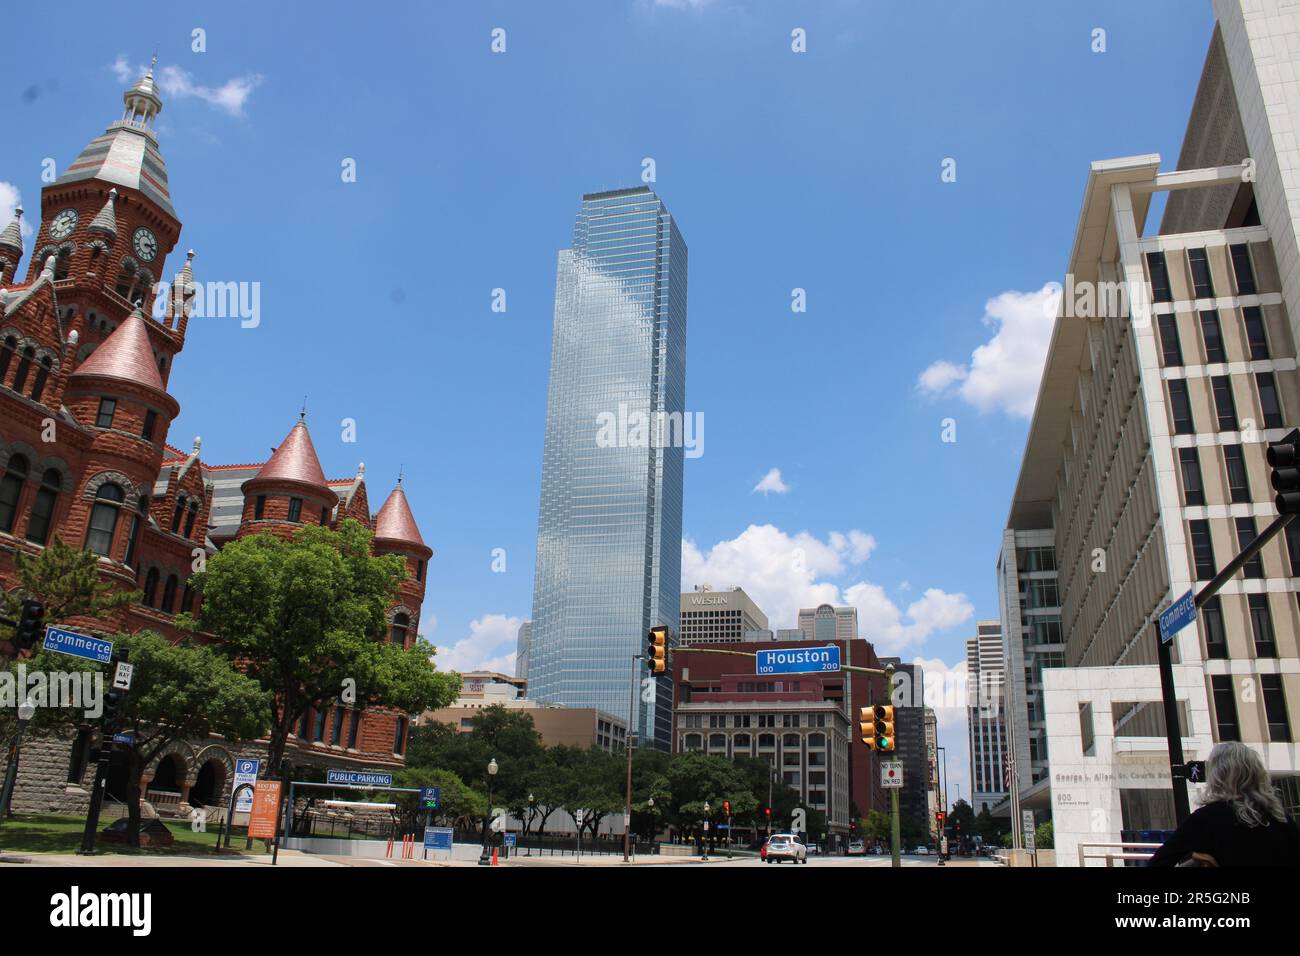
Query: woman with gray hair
[1240,822]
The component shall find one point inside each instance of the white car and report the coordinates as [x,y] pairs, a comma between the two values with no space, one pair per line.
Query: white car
[921,851]
[785,846]
[857,848]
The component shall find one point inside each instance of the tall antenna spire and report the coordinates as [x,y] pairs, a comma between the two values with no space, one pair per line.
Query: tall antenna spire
[302,415]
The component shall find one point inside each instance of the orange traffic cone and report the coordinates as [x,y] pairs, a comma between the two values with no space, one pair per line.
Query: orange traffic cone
[494,856]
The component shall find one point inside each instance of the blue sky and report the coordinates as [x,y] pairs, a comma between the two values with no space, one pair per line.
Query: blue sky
[816,170]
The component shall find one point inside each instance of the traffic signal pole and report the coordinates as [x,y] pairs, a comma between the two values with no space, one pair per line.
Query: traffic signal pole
[628,745]
[107,730]
[895,830]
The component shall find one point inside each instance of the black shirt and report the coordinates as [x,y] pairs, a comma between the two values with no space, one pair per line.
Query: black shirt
[1215,829]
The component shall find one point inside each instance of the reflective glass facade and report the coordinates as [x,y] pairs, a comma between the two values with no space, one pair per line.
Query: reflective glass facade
[610,525]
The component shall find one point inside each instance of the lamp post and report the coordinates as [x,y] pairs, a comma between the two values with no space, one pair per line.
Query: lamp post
[26,710]
[707,811]
[532,814]
[650,806]
[485,858]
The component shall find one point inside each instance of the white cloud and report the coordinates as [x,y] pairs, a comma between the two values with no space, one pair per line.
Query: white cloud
[177,83]
[784,572]
[10,197]
[772,482]
[1004,372]
[491,646]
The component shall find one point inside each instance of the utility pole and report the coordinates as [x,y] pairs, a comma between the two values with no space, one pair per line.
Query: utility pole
[629,746]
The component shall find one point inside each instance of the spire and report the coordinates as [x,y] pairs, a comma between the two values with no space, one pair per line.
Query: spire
[105,220]
[12,238]
[395,521]
[295,460]
[126,355]
[127,153]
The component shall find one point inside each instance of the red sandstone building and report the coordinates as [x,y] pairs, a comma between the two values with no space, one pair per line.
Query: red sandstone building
[84,416]
[804,725]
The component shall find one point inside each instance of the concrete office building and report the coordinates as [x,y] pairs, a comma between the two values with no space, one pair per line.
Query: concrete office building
[986,716]
[934,799]
[522,646]
[718,617]
[1172,364]
[826,623]
[912,748]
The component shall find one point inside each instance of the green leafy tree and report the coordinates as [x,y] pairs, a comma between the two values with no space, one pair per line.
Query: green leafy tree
[182,692]
[1043,836]
[67,581]
[876,826]
[458,805]
[306,619]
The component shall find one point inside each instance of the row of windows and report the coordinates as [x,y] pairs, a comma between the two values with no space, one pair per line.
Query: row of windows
[764,741]
[1202,281]
[1225,405]
[108,409]
[1171,346]
[1225,707]
[758,720]
[1234,463]
[26,361]
[312,728]
[42,513]
[1203,548]
[168,602]
[1261,627]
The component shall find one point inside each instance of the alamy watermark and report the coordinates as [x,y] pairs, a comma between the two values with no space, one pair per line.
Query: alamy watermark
[629,428]
[75,690]
[212,300]
[1086,299]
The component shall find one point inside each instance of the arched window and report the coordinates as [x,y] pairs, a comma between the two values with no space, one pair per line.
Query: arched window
[103,519]
[42,376]
[399,736]
[38,525]
[767,740]
[717,741]
[187,599]
[816,740]
[190,515]
[137,522]
[397,632]
[24,367]
[741,742]
[62,262]
[176,515]
[7,349]
[790,740]
[150,587]
[693,742]
[169,594]
[11,487]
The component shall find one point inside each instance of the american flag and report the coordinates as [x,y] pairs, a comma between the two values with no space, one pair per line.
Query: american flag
[1009,773]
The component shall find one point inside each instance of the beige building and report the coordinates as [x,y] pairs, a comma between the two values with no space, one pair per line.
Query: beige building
[718,617]
[571,726]
[826,623]
[1172,365]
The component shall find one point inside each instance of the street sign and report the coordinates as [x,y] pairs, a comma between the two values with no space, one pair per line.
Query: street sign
[430,798]
[1027,827]
[798,660]
[78,645]
[1177,616]
[245,772]
[437,838]
[127,739]
[263,822]
[122,676]
[578,815]
[1193,771]
[359,778]
[510,840]
[891,774]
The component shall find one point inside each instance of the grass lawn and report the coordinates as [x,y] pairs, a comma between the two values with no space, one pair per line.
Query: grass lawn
[60,834]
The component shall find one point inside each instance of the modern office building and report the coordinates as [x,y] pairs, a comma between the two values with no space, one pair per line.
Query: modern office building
[719,617]
[826,623]
[986,716]
[934,798]
[1172,364]
[911,743]
[522,646]
[804,725]
[610,523]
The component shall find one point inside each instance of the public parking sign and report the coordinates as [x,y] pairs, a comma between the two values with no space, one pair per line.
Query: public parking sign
[430,798]
[1177,616]
[798,660]
[356,778]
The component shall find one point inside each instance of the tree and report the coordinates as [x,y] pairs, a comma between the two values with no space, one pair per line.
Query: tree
[67,581]
[986,827]
[306,619]
[877,826]
[458,804]
[1043,836]
[181,692]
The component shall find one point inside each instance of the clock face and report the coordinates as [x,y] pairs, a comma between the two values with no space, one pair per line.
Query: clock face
[145,244]
[63,224]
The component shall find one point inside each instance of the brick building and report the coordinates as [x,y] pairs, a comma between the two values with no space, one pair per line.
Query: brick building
[804,725]
[84,416]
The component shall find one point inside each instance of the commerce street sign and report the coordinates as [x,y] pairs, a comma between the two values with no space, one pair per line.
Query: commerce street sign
[798,660]
[78,645]
[1177,616]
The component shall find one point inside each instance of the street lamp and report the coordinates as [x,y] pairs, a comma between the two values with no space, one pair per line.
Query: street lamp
[532,814]
[485,859]
[707,811]
[26,711]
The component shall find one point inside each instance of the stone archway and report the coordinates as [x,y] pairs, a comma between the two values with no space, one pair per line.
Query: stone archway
[209,783]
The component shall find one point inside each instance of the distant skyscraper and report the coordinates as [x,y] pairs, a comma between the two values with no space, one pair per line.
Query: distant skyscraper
[522,647]
[610,525]
[826,623]
[986,716]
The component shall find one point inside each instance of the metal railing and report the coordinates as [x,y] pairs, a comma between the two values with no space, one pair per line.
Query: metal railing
[1110,852]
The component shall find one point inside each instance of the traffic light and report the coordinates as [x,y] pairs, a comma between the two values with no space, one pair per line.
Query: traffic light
[656,653]
[31,625]
[876,725]
[1284,458]
[767,812]
[726,807]
[112,710]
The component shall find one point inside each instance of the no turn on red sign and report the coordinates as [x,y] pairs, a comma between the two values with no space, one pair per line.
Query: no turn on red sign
[891,774]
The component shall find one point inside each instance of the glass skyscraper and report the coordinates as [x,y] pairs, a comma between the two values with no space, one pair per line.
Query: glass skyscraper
[609,534]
